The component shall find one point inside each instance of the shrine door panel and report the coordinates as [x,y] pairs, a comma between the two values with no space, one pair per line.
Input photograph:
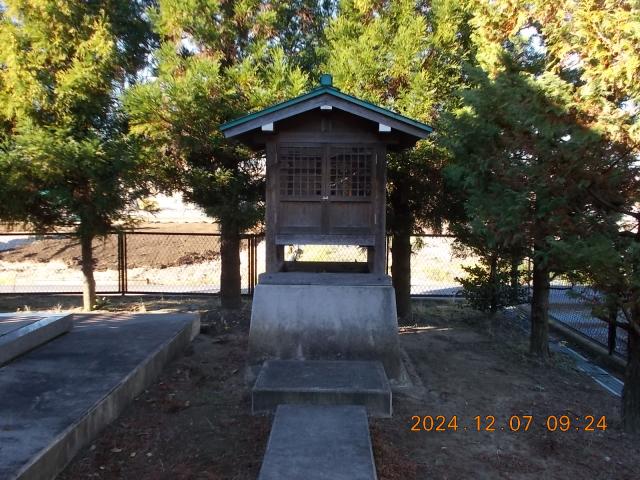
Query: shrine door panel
[300,187]
[349,206]
[326,189]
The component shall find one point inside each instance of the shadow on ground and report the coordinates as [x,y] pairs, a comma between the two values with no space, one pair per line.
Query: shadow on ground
[194,422]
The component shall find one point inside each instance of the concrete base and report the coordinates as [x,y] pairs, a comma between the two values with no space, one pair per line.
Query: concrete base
[21,332]
[319,443]
[325,317]
[56,398]
[322,383]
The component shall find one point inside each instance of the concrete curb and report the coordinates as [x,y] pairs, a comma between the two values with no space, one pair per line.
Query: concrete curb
[53,459]
[602,353]
[28,337]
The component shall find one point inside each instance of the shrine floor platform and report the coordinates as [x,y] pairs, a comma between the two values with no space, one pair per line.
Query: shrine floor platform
[57,397]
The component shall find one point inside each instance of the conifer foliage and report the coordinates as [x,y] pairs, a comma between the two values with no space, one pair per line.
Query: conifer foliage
[546,148]
[218,61]
[65,158]
[405,55]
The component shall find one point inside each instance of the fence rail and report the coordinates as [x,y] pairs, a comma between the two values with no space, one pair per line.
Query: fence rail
[152,262]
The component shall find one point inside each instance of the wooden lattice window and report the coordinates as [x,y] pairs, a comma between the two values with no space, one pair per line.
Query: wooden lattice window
[350,171]
[300,171]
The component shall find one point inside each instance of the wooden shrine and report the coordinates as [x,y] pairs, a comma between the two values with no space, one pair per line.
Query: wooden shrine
[326,171]
[326,176]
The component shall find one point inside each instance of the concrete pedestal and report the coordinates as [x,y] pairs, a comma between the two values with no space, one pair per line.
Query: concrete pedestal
[324,316]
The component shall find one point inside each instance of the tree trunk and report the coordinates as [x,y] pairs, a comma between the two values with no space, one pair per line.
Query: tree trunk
[612,317]
[230,282]
[631,390]
[493,294]
[401,226]
[539,339]
[494,288]
[401,273]
[514,279]
[88,281]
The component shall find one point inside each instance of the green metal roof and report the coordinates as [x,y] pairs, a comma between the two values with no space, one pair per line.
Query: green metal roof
[330,90]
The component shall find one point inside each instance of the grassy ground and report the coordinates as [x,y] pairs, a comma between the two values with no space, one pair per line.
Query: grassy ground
[194,421]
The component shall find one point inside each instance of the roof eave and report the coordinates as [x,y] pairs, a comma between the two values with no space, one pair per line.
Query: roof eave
[318,97]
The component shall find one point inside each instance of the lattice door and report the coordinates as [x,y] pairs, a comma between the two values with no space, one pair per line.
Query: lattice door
[301,172]
[350,175]
[350,172]
[326,189]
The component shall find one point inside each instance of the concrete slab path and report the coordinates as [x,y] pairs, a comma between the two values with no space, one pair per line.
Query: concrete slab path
[319,443]
[56,398]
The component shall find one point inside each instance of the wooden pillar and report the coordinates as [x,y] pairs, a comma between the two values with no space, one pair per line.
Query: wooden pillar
[273,254]
[378,262]
[371,258]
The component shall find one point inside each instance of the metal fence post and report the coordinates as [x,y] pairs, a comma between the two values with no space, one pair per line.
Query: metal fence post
[611,340]
[387,247]
[120,264]
[612,317]
[125,267]
[250,264]
[256,242]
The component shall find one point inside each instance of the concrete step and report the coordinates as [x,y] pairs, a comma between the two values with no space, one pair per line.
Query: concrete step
[318,382]
[319,443]
[21,332]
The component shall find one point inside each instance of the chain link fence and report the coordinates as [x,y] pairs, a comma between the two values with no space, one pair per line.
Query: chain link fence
[51,263]
[172,263]
[189,263]
[579,308]
[125,262]
[435,265]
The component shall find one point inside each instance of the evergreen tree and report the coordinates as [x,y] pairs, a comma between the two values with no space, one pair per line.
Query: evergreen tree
[64,155]
[494,282]
[407,56]
[218,61]
[546,146]
[301,32]
[595,46]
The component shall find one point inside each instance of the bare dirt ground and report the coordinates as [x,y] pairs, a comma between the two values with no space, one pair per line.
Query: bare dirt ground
[194,421]
[468,373]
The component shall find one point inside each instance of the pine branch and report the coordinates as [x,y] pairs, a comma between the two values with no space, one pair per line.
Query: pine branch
[613,207]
